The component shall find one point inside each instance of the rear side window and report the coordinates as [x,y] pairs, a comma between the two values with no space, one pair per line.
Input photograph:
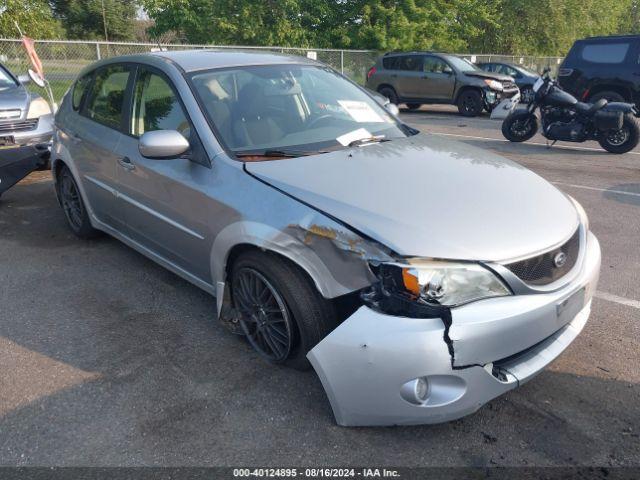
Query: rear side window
[435,65]
[390,63]
[605,52]
[79,90]
[107,96]
[411,63]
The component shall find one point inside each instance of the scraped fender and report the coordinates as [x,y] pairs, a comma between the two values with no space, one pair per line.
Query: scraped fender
[335,258]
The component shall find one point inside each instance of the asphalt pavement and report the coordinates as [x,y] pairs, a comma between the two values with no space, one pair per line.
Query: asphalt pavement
[108,359]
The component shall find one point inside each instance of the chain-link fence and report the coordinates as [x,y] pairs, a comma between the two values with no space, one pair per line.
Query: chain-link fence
[535,64]
[63,60]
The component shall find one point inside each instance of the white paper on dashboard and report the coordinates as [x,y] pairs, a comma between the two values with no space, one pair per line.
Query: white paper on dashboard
[358,134]
[361,112]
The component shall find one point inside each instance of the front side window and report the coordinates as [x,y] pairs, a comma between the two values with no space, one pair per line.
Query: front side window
[107,96]
[156,107]
[290,107]
[605,52]
[79,90]
[6,79]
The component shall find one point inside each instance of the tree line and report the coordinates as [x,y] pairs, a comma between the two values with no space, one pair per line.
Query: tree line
[540,27]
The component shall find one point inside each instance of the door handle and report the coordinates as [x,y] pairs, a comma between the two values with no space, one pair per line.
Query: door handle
[72,136]
[126,163]
[394,76]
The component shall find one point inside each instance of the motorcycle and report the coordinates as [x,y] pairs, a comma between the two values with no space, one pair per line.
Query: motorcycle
[562,117]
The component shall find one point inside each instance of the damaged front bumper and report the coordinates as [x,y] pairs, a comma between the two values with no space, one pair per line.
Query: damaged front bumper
[23,151]
[371,365]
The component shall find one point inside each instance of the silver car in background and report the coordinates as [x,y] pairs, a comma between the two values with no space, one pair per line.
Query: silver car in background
[420,277]
[26,128]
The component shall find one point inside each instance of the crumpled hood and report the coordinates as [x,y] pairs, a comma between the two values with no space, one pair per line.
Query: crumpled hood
[11,98]
[494,76]
[431,197]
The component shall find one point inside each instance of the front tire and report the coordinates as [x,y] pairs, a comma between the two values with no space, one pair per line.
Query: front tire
[520,127]
[282,314]
[470,103]
[623,140]
[73,205]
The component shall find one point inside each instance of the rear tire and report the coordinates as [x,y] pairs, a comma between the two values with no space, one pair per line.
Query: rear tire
[623,140]
[470,103]
[390,93]
[520,127]
[607,95]
[303,313]
[413,106]
[73,206]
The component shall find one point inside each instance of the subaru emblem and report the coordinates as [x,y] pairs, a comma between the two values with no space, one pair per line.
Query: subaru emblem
[560,259]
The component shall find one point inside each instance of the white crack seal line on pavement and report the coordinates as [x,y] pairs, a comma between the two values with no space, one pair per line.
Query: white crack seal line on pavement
[616,299]
[565,147]
[617,192]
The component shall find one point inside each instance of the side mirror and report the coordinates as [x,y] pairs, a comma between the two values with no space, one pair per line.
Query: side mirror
[37,79]
[24,79]
[392,108]
[447,70]
[162,144]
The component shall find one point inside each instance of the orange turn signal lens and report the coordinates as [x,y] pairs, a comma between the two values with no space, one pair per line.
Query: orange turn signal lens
[410,281]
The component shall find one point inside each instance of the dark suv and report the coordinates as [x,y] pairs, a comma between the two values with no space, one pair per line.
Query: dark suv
[415,78]
[603,67]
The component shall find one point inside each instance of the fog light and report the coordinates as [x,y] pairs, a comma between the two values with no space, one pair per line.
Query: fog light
[490,96]
[422,389]
[415,391]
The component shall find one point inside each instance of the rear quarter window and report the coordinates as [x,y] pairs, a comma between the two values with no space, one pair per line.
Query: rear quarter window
[605,52]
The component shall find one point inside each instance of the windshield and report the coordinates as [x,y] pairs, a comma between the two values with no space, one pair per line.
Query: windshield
[461,64]
[6,80]
[290,109]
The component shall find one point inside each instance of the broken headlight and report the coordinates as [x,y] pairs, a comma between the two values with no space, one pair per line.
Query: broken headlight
[423,287]
[451,283]
[493,84]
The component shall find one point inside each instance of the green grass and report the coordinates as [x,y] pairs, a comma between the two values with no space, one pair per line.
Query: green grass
[58,88]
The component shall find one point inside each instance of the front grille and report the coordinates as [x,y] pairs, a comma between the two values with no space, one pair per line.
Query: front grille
[508,85]
[18,126]
[542,269]
[10,114]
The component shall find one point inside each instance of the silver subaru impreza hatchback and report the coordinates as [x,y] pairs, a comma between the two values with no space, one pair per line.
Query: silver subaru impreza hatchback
[418,276]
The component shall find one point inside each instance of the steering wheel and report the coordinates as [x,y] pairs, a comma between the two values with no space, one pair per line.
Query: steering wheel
[319,119]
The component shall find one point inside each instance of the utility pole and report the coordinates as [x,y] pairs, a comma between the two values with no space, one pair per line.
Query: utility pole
[104,22]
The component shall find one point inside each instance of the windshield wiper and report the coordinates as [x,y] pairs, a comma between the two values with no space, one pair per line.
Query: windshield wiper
[274,153]
[368,140]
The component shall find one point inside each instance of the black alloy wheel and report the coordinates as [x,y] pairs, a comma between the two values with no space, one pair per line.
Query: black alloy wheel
[520,126]
[71,201]
[264,317]
[470,103]
[623,140]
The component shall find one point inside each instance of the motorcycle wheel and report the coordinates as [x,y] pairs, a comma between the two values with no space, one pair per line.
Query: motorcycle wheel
[623,140]
[520,127]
